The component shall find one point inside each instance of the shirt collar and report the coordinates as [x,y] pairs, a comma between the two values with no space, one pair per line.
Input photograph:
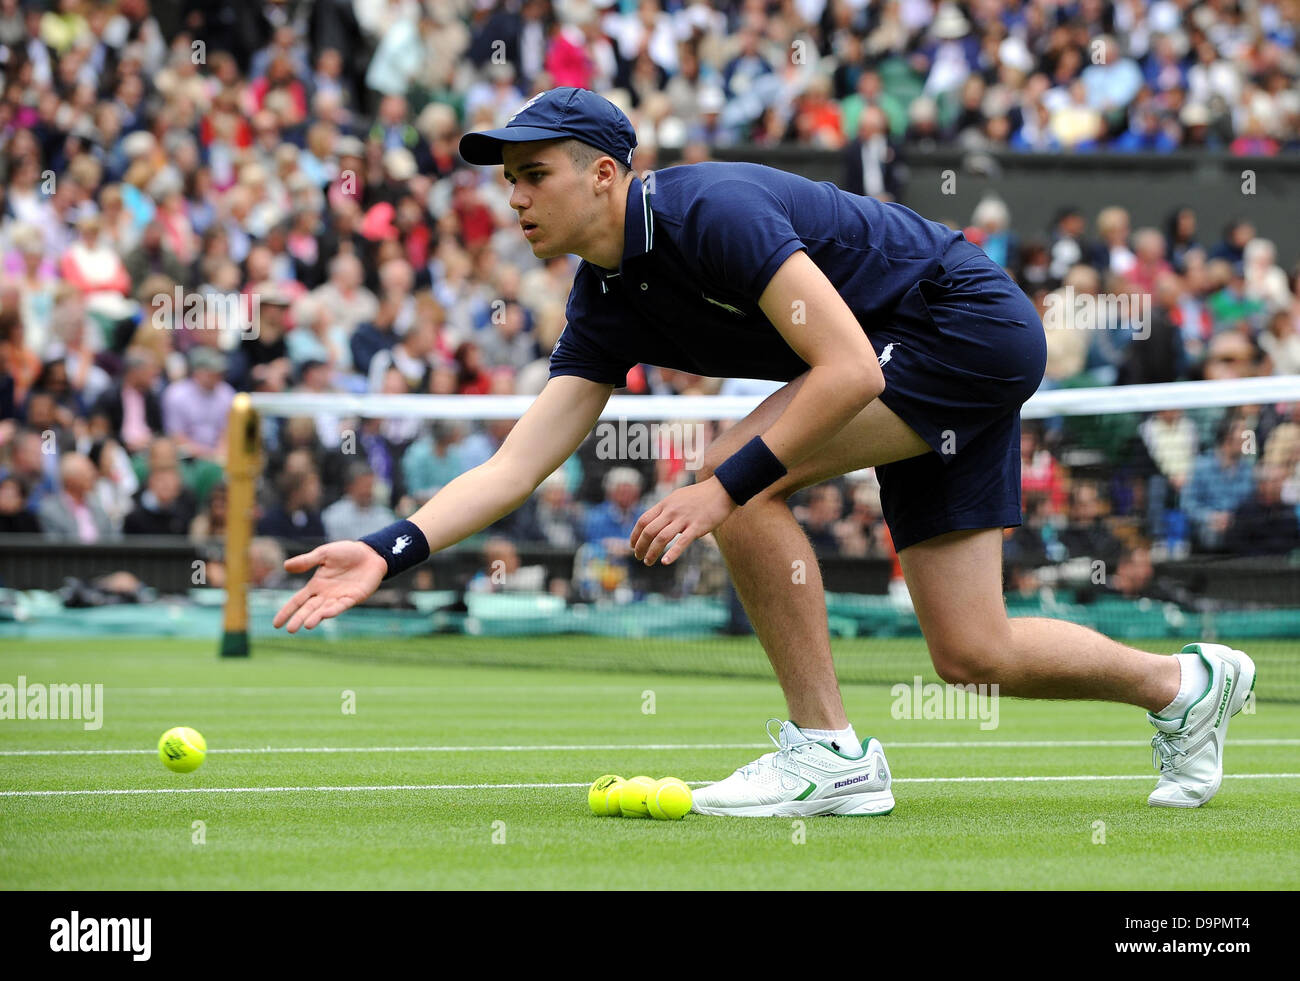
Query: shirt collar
[638,229]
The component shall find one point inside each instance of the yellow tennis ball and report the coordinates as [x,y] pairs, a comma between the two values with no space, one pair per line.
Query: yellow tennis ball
[670,800]
[602,797]
[182,749]
[632,797]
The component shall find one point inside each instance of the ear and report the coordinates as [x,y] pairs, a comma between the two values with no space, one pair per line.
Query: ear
[606,173]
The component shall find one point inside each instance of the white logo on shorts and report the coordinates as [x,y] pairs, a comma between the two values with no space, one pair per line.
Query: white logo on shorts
[886,355]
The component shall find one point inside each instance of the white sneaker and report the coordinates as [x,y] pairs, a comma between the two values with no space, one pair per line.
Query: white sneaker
[803,778]
[1189,750]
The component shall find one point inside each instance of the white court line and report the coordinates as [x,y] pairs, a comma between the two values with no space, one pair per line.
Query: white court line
[367,689]
[373,788]
[615,747]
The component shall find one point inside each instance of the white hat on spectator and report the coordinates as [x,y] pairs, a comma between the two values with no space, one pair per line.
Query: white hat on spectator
[166,182]
[950,24]
[621,475]
[139,143]
[577,12]
[399,164]
[1014,53]
[350,146]
[111,306]
[1194,114]
[712,99]
[27,239]
[436,118]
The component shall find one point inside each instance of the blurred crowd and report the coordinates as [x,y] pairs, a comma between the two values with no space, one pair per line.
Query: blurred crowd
[202,198]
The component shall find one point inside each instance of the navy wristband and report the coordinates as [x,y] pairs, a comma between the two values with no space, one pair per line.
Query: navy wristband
[401,544]
[749,470]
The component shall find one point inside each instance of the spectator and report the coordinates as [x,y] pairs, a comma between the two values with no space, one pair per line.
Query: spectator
[37,469]
[261,362]
[471,375]
[356,514]
[163,505]
[504,573]
[609,525]
[552,517]
[19,361]
[195,409]
[411,357]
[1087,535]
[117,483]
[871,161]
[344,294]
[92,266]
[1281,342]
[1040,474]
[1263,523]
[74,513]
[1221,480]
[151,257]
[15,518]
[299,518]
[433,460]
[266,564]
[132,405]
[209,525]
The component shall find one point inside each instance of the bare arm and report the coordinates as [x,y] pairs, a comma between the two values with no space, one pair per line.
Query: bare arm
[548,433]
[844,377]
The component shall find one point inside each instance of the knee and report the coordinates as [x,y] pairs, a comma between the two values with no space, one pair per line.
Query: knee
[966,662]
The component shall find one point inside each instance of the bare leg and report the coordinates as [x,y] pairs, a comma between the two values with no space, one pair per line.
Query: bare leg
[956,586]
[772,563]
[955,581]
[763,550]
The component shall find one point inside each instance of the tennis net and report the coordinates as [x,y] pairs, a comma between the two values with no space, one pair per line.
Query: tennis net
[1156,514]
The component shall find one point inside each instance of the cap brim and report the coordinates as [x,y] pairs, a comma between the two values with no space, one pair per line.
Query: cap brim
[484,148]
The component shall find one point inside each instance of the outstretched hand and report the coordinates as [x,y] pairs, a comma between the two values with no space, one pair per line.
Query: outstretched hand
[349,572]
[687,514]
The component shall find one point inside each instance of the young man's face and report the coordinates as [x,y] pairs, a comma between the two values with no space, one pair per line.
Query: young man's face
[554,201]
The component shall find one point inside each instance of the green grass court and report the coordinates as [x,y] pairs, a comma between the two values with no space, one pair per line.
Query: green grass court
[432,787]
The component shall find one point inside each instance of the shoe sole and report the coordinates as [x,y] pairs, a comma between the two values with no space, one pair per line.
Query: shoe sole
[876,804]
[1245,672]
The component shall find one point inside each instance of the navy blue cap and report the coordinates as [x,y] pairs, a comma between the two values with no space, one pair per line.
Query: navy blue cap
[559,113]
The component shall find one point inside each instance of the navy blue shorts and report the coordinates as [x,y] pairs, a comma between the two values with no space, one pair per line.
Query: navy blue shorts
[960,354]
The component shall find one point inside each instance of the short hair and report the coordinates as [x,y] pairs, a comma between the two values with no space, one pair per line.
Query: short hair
[584,155]
[622,475]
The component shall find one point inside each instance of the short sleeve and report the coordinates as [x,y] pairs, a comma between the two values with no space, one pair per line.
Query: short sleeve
[742,233]
[579,350]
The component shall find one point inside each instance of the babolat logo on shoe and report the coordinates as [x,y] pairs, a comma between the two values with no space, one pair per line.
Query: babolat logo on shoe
[1223,702]
[851,781]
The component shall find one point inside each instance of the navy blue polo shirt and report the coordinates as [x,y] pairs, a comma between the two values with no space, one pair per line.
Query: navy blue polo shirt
[960,345]
[700,250]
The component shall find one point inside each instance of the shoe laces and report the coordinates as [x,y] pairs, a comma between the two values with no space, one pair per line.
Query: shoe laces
[788,741]
[1166,748]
